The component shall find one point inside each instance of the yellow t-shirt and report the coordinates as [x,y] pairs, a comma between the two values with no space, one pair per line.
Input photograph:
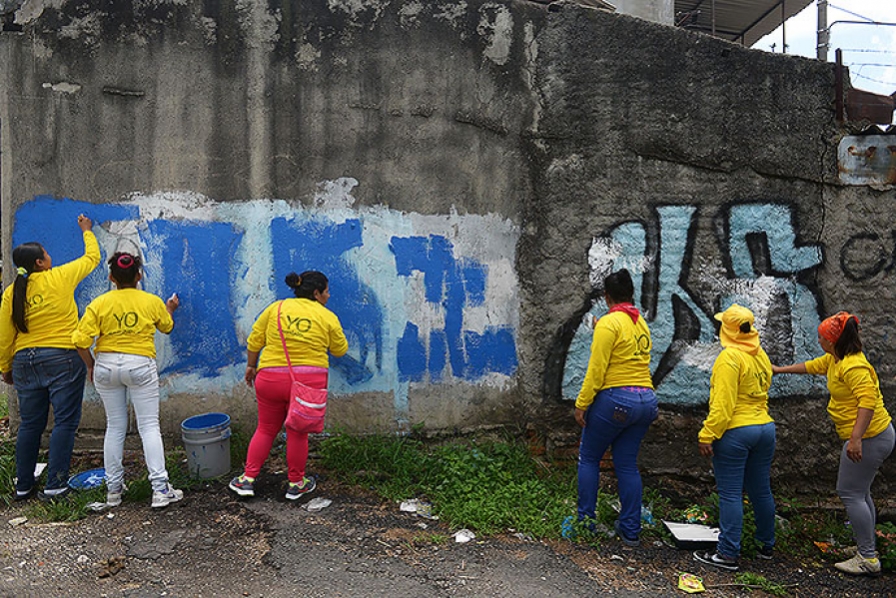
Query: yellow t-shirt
[50,310]
[310,329]
[852,383]
[738,393]
[125,321]
[620,356]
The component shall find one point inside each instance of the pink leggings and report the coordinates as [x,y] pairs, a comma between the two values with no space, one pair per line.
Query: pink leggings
[272,395]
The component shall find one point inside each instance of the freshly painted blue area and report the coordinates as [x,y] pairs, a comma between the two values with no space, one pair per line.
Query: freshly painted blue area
[196,262]
[453,284]
[54,224]
[319,244]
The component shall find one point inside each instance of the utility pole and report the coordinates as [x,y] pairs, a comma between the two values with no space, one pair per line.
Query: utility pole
[824,34]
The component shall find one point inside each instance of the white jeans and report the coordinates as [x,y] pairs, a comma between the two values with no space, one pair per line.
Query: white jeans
[115,375]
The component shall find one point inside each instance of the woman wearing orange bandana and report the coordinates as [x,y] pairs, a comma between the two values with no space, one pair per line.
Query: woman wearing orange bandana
[857,410]
[739,435]
[616,406]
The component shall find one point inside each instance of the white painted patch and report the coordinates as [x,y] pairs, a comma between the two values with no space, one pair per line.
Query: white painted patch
[335,195]
[63,87]
[409,13]
[307,56]
[701,355]
[496,26]
[355,7]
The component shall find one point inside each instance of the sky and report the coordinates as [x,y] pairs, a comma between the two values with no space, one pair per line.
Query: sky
[868,50]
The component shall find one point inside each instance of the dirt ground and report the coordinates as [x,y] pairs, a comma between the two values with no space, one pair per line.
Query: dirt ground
[212,544]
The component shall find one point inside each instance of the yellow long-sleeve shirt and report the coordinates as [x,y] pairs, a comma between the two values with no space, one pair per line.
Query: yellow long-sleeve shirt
[852,383]
[123,321]
[738,393]
[620,356]
[50,310]
[310,330]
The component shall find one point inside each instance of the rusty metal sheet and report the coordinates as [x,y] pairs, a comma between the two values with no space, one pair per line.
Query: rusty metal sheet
[867,160]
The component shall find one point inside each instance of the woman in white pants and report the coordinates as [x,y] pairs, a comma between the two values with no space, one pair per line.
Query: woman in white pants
[124,322]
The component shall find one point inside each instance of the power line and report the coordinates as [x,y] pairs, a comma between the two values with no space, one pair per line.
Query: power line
[849,12]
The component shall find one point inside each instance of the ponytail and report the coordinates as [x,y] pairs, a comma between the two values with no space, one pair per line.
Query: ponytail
[304,284]
[24,257]
[849,341]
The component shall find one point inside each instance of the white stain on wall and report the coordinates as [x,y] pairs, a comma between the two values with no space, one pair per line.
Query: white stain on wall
[496,26]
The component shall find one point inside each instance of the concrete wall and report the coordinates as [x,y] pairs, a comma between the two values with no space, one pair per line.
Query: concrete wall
[465,173]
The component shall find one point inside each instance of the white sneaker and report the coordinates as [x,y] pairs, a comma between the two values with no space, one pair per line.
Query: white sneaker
[163,499]
[859,565]
[113,499]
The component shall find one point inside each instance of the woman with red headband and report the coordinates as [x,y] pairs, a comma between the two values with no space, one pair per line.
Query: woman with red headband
[857,410]
[124,322]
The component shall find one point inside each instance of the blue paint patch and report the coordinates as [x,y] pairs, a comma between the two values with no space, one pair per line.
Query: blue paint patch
[411,355]
[322,245]
[453,285]
[54,224]
[196,258]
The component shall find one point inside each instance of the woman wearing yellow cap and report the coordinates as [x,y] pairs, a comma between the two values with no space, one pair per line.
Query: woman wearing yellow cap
[739,435]
[857,409]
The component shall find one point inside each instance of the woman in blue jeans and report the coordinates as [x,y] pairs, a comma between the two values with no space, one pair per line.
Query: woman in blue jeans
[739,435]
[37,317]
[616,405]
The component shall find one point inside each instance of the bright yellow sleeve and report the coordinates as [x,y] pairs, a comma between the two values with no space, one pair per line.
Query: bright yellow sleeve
[601,349]
[77,270]
[88,328]
[863,386]
[338,343]
[8,331]
[257,338]
[819,365]
[723,389]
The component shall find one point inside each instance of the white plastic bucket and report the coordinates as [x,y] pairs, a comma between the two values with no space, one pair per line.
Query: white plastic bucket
[207,441]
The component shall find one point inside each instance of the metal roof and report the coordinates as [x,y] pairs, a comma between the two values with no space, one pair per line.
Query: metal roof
[742,21]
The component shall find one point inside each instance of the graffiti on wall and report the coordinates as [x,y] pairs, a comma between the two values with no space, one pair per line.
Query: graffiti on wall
[761,266]
[422,299]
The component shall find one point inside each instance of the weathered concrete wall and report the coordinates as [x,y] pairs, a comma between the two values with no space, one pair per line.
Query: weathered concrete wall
[464,173]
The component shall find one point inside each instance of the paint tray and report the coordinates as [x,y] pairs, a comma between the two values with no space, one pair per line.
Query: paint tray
[692,536]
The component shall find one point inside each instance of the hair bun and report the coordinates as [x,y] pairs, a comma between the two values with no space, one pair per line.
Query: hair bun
[125,261]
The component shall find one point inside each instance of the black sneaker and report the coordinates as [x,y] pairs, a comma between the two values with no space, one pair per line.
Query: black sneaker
[51,495]
[766,552]
[23,494]
[716,560]
[296,491]
[631,542]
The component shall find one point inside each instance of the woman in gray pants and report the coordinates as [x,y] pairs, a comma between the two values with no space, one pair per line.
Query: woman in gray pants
[857,410]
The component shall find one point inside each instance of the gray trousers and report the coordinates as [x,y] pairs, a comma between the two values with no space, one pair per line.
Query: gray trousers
[854,487]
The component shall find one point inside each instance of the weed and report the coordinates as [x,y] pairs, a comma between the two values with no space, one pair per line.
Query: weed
[886,545]
[754,581]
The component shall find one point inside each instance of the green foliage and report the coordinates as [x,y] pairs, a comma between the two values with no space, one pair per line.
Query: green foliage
[7,470]
[758,582]
[886,545]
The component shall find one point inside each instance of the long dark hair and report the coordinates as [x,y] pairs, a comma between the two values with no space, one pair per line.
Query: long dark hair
[619,286]
[124,268]
[24,256]
[849,341]
[306,283]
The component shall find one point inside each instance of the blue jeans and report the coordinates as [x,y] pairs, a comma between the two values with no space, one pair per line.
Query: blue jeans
[618,418]
[742,460]
[44,377]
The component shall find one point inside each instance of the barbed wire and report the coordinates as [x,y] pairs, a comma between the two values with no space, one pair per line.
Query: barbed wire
[872,79]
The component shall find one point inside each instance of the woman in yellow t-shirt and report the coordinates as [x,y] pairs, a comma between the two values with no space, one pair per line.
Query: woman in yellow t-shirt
[37,316]
[309,331]
[857,409]
[124,322]
[739,435]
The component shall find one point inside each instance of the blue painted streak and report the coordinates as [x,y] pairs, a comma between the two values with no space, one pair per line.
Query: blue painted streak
[451,284]
[54,224]
[197,260]
[320,244]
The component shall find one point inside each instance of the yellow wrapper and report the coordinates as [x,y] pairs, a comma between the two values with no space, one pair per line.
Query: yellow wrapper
[690,583]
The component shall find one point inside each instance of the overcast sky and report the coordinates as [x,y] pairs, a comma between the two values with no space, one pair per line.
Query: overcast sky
[869,50]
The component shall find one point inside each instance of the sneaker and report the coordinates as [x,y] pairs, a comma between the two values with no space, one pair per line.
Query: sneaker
[632,542]
[716,560]
[24,494]
[766,553]
[567,528]
[242,486]
[295,491]
[113,497]
[163,499]
[859,565]
[54,494]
